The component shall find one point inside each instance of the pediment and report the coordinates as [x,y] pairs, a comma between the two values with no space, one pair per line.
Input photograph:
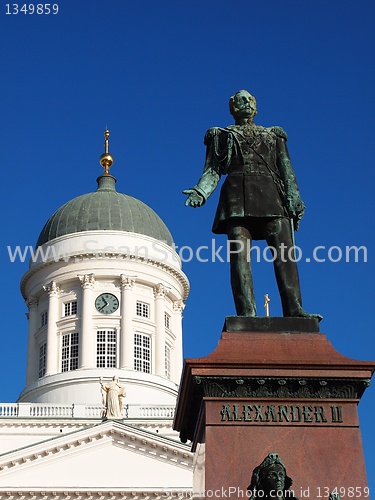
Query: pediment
[109,455]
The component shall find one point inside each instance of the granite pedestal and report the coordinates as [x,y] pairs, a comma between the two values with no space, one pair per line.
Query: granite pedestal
[274,385]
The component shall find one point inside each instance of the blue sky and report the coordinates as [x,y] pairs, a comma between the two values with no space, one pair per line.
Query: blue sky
[158,73]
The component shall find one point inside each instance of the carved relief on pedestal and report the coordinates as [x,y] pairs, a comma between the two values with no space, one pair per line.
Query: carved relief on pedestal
[270,479]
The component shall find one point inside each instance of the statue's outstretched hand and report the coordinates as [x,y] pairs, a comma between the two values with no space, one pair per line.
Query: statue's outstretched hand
[194,199]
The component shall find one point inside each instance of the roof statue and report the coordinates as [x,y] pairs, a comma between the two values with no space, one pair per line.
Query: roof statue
[259,200]
[112,394]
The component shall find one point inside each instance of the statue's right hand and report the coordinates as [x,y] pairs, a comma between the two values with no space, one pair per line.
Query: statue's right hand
[194,199]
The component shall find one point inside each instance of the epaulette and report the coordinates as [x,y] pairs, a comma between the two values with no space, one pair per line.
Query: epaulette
[280,132]
[212,132]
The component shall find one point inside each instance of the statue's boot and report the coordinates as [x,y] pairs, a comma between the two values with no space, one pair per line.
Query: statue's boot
[301,313]
[286,271]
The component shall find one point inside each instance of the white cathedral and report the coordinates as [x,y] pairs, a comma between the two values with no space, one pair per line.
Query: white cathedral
[105,300]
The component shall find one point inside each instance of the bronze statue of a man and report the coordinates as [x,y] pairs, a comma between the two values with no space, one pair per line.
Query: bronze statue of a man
[259,200]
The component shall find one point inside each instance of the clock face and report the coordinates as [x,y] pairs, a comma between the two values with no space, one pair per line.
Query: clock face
[106,303]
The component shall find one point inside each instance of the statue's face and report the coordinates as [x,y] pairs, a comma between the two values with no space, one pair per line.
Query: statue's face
[274,478]
[244,105]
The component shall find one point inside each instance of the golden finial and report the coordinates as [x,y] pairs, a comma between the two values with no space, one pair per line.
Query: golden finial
[266,306]
[106,160]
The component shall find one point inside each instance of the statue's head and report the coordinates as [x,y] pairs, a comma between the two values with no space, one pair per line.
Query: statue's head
[270,477]
[273,478]
[242,105]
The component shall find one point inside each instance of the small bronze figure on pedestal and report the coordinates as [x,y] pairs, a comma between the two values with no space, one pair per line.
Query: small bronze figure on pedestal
[270,480]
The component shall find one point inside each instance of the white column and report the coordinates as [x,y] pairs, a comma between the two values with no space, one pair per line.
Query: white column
[52,353]
[126,340]
[32,351]
[87,337]
[159,293]
[178,307]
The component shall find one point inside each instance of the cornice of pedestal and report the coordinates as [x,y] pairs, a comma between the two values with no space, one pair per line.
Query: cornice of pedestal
[281,387]
[273,365]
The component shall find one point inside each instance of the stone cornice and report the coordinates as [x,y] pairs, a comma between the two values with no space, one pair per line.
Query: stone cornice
[90,494]
[76,424]
[113,431]
[177,274]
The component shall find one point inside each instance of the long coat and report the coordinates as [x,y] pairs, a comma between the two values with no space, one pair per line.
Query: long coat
[260,179]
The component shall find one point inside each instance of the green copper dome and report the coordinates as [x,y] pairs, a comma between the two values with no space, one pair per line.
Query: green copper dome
[105,209]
